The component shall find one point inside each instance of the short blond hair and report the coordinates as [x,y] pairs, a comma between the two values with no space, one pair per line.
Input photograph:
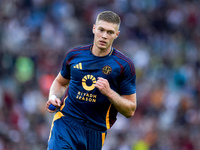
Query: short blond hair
[109,16]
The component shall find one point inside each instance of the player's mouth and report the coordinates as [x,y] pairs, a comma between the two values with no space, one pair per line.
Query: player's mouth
[102,42]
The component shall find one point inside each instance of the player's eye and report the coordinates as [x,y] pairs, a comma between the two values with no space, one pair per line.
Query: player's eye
[110,32]
[101,30]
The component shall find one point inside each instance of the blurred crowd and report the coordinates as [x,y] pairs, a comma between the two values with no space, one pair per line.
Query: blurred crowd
[162,37]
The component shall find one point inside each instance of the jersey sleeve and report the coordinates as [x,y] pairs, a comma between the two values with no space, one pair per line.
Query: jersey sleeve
[128,83]
[65,70]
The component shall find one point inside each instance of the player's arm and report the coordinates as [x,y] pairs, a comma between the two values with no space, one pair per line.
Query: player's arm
[57,90]
[125,104]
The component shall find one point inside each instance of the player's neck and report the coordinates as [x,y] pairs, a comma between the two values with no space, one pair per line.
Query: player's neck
[100,52]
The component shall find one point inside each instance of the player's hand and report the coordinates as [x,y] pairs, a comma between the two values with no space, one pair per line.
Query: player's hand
[103,86]
[54,101]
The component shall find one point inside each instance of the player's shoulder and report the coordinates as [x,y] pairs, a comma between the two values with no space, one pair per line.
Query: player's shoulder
[124,60]
[118,55]
[78,50]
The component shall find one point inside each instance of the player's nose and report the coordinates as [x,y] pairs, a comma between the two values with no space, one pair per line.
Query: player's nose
[104,35]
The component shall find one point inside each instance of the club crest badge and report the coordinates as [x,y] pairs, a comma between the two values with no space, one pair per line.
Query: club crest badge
[107,70]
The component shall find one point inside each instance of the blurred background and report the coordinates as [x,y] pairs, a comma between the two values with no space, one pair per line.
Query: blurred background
[162,37]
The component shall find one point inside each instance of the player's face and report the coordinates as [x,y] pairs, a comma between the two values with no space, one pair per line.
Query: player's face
[104,34]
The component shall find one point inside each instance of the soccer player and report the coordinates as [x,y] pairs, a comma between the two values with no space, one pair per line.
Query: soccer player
[95,83]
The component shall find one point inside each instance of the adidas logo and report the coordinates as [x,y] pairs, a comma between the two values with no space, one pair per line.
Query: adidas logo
[78,66]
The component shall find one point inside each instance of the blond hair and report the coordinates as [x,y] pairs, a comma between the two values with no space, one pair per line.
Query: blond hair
[109,16]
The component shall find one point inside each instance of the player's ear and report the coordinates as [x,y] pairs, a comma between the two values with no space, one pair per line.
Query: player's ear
[117,34]
[93,29]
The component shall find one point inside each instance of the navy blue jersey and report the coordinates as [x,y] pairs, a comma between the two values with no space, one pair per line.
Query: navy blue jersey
[82,100]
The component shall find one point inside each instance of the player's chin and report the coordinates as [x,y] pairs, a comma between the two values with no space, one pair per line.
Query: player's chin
[102,47]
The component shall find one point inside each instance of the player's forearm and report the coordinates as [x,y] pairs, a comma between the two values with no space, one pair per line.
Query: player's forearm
[57,89]
[125,106]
